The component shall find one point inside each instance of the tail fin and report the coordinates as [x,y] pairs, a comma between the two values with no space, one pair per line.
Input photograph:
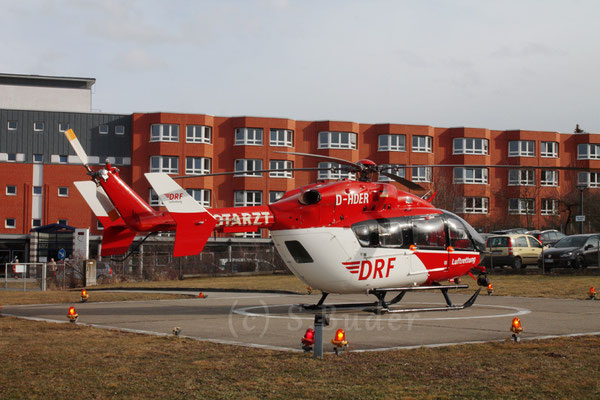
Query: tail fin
[117,237]
[194,223]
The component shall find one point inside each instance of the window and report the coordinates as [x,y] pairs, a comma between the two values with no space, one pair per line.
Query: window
[63,159]
[298,252]
[202,196]
[10,223]
[167,164]
[99,225]
[36,223]
[63,127]
[38,158]
[11,190]
[247,198]
[591,179]
[521,177]
[120,130]
[282,137]
[12,125]
[275,196]
[63,222]
[103,129]
[164,133]
[392,142]
[38,126]
[428,232]
[63,191]
[118,161]
[334,171]
[280,164]
[470,175]
[549,207]
[549,149]
[249,136]
[12,157]
[244,167]
[521,148]
[549,178]
[521,206]
[422,144]
[470,146]
[395,169]
[153,199]
[388,232]
[588,151]
[198,134]
[37,190]
[421,174]
[197,165]
[472,205]
[337,140]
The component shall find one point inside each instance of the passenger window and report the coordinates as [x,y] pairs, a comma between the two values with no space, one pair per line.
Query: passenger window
[534,243]
[390,234]
[429,232]
[521,242]
[367,233]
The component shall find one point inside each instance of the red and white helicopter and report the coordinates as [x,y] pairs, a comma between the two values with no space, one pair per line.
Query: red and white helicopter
[348,236]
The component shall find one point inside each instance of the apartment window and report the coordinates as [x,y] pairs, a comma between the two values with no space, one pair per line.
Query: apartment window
[103,129]
[337,140]
[521,148]
[244,167]
[10,223]
[591,179]
[36,223]
[549,178]
[38,158]
[197,165]
[521,206]
[63,159]
[167,164]
[473,205]
[249,136]
[334,171]
[12,125]
[164,133]
[275,196]
[282,137]
[588,151]
[63,127]
[395,169]
[421,174]
[198,134]
[549,149]
[247,198]
[202,196]
[11,190]
[471,175]
[470,146]
[37,190]
[120,130]
[119,161]
[12,157]
[549,207]
[38,126]
[153,199]
[63,191]
[63,222]
[392,142]
[280,164]
[521,177]
[422,144]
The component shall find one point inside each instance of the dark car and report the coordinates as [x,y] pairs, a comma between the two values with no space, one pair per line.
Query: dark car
[575,251]
[512,231]
[547,237]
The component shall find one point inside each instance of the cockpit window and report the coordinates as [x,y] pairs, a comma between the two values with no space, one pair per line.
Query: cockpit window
[428,231]
[458,236]
[476,238]
[385,232]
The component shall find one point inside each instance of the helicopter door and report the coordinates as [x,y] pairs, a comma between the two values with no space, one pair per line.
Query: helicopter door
[429,235]
[459,241]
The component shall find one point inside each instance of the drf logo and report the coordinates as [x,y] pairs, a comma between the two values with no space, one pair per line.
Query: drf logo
[174,196]
[370,268]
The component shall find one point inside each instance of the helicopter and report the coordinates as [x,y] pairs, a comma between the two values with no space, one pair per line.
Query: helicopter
[343,237]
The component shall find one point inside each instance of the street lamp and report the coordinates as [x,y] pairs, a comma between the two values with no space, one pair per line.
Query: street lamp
[581,186]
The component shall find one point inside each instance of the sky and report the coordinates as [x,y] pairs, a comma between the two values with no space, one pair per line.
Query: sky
[526,64]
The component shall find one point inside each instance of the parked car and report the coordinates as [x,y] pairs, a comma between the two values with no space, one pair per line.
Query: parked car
[575,251]
[511,231]
[517,250]
[547,237]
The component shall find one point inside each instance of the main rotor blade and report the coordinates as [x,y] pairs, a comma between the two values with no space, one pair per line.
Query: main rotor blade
[402,181]
[499,166]
[255,171]
[338,160]
[76,146]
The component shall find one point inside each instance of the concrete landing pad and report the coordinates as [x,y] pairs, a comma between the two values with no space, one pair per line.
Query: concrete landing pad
[275,321]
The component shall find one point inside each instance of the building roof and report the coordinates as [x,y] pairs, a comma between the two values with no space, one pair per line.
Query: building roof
[47,81]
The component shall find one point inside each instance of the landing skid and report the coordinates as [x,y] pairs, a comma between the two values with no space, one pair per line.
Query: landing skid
[381,306]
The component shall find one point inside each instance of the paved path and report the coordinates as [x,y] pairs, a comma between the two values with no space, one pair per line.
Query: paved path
[274,320]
